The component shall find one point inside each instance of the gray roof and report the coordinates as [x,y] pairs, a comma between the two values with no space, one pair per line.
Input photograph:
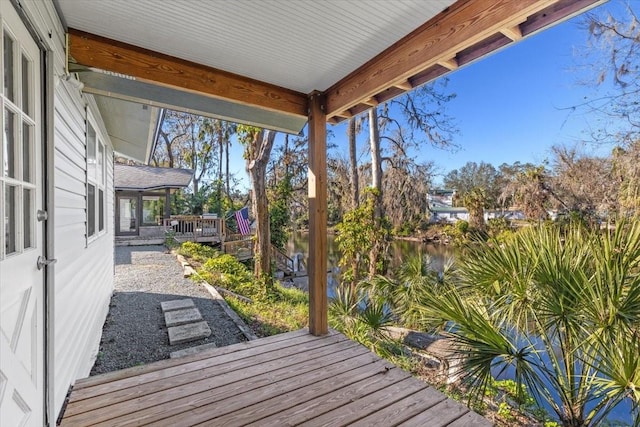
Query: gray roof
[150,178]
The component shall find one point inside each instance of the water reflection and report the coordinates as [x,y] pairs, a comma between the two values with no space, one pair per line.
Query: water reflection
[399,251]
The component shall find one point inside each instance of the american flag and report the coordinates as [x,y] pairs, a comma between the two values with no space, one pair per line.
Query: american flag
[242,218]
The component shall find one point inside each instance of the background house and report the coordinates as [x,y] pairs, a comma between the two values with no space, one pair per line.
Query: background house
[143,198]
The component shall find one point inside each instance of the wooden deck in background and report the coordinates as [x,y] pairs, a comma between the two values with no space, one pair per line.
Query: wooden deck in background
[288,379]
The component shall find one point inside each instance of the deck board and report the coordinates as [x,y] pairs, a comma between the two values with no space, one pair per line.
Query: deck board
[403,409]
[152,409]
[287,379]
[195,372]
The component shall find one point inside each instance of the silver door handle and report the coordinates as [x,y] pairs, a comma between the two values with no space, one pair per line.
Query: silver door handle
[43,262]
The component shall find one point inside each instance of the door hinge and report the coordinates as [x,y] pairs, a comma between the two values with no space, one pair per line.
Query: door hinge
[43,262]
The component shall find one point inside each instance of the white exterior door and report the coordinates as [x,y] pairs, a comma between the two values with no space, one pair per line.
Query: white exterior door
[21,234]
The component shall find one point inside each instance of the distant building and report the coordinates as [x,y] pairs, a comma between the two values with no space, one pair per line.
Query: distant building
[447,214]
[451,214]
[142,196]
[441,197]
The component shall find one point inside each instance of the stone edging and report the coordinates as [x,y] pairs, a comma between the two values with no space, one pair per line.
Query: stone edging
[189,271]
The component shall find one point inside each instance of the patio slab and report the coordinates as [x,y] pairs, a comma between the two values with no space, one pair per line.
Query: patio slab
[176,304]
[189,332]
[181,317]
[192,350]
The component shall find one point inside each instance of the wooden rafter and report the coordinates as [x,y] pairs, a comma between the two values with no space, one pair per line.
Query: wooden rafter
[93,51]
[465,24]
[513,33]
[450,64]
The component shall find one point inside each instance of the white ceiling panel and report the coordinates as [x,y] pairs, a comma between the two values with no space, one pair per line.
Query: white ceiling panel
[303,45]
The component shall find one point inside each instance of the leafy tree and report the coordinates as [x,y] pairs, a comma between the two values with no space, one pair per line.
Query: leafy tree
[559,307]
[197,143]
[352,130]
[474,176]
[359,235]
[585,183]
[279,213]
[530,191]
[475,201]
[615,55]
[258,144]
[289,161]
[626,172]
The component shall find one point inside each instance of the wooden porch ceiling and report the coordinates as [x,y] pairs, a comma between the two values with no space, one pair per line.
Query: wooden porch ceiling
[466,31]
[288,379]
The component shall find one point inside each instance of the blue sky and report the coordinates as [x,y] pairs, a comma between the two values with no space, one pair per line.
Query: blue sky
[514,105]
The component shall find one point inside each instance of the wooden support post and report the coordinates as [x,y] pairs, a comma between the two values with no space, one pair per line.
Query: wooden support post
[167,204]
[317,215]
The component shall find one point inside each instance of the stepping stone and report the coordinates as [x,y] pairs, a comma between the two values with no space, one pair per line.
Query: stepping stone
[180,317]
[192,350]
[176,304]
[189,332]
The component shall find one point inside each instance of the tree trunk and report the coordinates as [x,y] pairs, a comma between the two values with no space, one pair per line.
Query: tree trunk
[221,149]
[168,144]
[196,186]
[376,161]
[227,167]
[286,155]
[376,183]
[355,190]
[263,142]
[219,180]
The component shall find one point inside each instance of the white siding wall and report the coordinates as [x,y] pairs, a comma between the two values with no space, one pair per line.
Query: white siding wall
[83,280]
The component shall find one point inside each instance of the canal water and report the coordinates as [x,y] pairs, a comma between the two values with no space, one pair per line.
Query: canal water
[399,250]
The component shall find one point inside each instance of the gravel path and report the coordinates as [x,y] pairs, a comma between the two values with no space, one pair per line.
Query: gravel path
[134,332]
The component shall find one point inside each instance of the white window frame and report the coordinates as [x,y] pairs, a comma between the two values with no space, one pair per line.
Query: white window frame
[21,117]
[96,176]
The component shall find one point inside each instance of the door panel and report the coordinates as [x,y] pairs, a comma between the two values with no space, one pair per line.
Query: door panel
[21,282]
[127,215]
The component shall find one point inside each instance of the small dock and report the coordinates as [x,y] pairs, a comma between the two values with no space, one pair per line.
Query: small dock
[282,380]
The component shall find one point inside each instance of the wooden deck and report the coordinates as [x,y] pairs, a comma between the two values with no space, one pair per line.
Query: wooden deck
[283,380]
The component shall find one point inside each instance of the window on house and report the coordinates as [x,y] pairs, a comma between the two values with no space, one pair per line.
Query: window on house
[96,182]
[152,210]
[17,172]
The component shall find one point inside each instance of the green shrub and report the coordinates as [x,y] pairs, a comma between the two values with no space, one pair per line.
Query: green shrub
[462,226]
[227,272]
[496,226]
[197,251]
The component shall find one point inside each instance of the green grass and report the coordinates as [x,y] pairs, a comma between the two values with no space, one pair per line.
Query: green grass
[273,311]
[282,311]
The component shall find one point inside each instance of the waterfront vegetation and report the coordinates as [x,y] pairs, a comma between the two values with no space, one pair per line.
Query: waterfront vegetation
[556,308]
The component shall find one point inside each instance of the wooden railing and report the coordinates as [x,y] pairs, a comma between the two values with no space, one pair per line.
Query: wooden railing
[239,246]
[192,227]
[283,262]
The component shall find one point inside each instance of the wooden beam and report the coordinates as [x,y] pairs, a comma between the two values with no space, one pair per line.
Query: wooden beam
[93,51]
[513,33]
[450,64]
[372,102]
[441,38]
[404,85]
[345,114]
[317,215]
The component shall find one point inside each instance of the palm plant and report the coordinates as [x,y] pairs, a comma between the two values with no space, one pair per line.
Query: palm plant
[558,308]
[360,318]
[412,283]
